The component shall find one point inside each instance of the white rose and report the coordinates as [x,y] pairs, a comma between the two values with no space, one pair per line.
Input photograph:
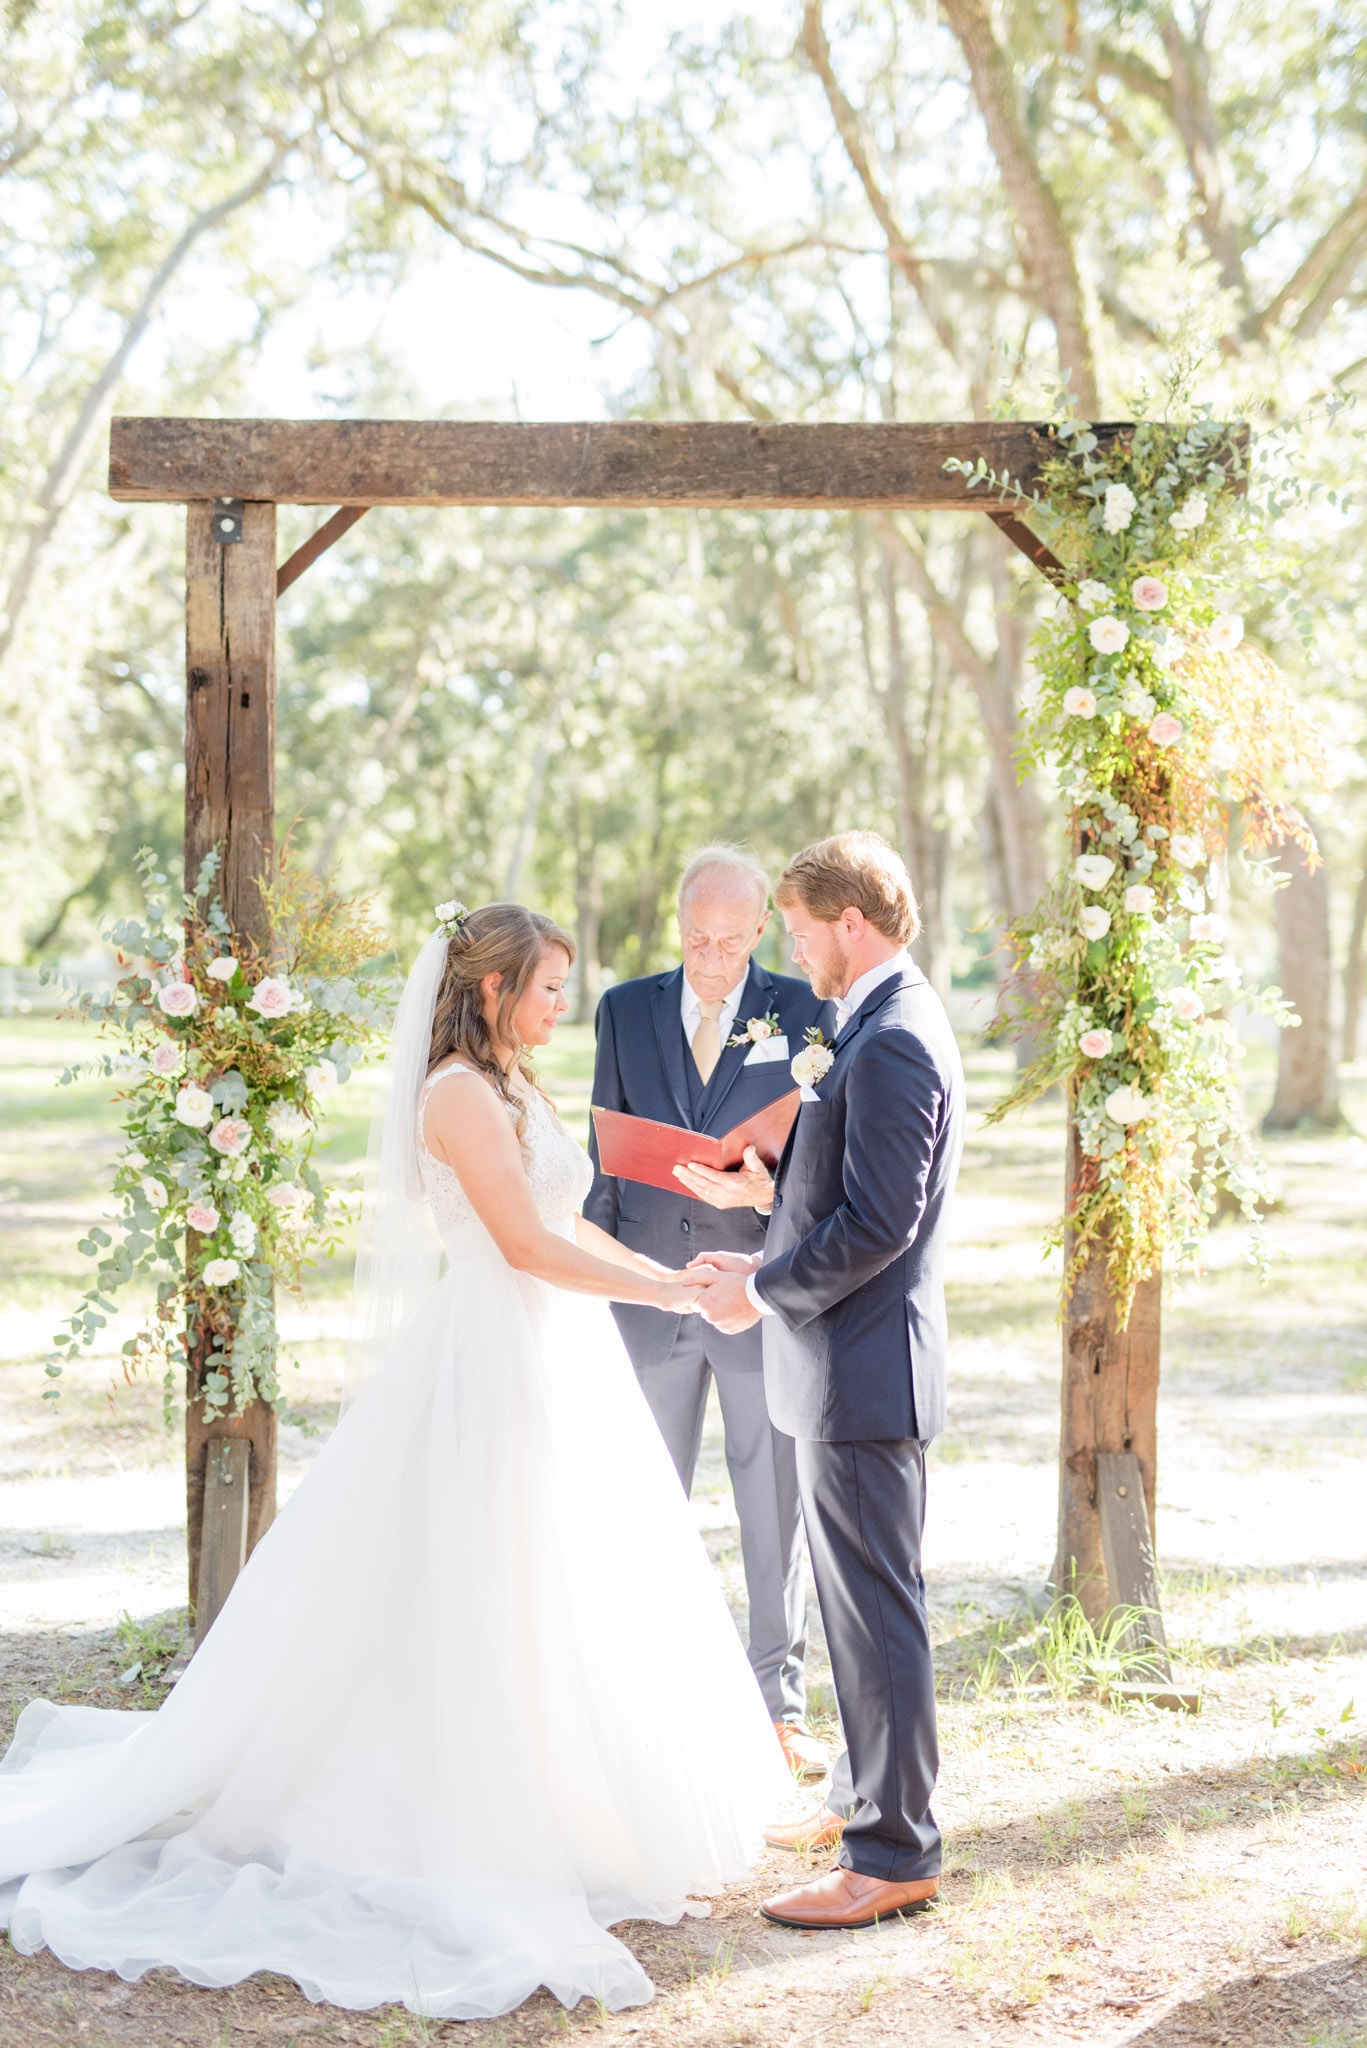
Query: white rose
[242,1231]
[222,969]
[1119,508]
[286,1123]
[1168,648]
[1091,595]
[808,1066]
[154,1193]
[321,1077]
[1186,1004]
[135,1161]
[1225,633]
[1187,850]
[1079,702]
[1128,1105]
[1209,928]
[221,1272]
[1108,634]
[445,910]
[1223,753]
[1093,870]
[1094,922]
[193,1106]
[1139,899]
[1191,515]
[1138,704]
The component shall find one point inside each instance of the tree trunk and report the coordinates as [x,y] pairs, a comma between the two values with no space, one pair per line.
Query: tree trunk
[1110,1403]
[1307,1073]
[1352,970]
[229,801]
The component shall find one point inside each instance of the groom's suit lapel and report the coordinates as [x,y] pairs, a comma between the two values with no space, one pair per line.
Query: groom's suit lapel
[754,1001]
[666,1014]
[873,1002]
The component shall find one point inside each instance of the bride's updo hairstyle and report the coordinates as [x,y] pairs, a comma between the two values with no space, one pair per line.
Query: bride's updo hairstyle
[500,938]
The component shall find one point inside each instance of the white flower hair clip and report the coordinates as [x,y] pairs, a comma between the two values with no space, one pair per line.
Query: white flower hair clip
[451,917]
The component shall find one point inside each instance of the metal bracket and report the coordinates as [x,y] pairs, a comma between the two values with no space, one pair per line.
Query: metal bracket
[227,519]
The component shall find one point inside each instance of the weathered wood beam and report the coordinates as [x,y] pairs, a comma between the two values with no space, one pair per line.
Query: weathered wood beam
[293,567]
[229,801]
[1031,546]
[756,465]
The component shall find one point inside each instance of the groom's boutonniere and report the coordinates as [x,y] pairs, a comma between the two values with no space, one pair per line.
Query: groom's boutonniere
[814,1061]
[756,1029]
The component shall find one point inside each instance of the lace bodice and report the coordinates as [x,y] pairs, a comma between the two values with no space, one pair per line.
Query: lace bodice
[559,1170]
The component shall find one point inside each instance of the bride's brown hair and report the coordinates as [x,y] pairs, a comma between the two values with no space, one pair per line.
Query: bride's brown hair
[500,938]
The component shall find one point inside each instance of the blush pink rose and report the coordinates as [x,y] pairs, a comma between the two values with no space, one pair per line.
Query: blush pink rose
[1150,593]
[1165,729]
[178,999]
[272,998]
[202,1217]
[167,1058]
[1094,1045]
[231,1135]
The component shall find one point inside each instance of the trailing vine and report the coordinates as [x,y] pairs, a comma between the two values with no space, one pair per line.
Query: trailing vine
[1171,736]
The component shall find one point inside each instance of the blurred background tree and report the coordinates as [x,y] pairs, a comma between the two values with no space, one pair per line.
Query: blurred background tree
[808,211]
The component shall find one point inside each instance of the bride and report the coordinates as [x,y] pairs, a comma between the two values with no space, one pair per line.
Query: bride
[430,1751]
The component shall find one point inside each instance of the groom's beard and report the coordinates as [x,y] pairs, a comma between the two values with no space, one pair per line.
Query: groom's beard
[831,980]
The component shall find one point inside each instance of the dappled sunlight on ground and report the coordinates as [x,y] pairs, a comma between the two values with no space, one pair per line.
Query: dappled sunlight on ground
[1114,1875]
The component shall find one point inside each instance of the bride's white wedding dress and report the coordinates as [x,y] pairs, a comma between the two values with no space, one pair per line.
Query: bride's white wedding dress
[475,1698]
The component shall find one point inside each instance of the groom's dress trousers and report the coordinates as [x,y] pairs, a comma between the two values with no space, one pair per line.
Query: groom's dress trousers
[855,1345]
[645,1066]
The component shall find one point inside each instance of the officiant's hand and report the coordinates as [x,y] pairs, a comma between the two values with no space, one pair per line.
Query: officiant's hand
[745,1187]
[727,1306]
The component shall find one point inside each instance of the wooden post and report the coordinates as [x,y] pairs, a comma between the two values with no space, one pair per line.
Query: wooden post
[229,799]
[1110,1403]
[227,1480]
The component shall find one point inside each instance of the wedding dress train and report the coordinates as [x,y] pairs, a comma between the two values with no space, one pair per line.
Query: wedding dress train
[475,1698]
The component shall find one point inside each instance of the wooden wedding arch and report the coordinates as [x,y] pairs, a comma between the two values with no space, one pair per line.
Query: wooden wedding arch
[231,474]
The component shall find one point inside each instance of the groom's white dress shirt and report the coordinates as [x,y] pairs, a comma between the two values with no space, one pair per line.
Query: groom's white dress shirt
[844,1010]
[691,1009]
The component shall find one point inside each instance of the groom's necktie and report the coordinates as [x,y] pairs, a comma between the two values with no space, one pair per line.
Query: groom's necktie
[707,1039]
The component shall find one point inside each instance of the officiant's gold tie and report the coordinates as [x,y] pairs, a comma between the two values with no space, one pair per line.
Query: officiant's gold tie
[707,1039]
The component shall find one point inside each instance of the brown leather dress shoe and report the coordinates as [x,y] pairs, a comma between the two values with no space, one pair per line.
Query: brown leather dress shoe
[819,1830]
[846,1898]
[806,1758]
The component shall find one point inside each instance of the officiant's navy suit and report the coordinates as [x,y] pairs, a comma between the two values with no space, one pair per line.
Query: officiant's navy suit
[854,1363]
[645,1066]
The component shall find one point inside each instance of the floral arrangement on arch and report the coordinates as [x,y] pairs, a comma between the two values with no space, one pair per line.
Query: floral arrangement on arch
[1166,726]
[229,1049]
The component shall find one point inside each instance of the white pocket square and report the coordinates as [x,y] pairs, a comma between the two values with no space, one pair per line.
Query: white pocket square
[765,1049]
[806,1094]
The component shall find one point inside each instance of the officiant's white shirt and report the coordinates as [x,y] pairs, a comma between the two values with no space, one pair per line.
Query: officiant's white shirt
[691,1011]
[857,992]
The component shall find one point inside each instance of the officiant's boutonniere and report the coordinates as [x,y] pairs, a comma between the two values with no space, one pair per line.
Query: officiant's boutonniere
[814,1061]
[757,1028]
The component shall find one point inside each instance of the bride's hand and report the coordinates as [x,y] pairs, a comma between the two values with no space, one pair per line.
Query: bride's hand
[723,1262]
[679,1295]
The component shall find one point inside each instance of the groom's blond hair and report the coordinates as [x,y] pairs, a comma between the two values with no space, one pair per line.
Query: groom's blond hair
[853,870]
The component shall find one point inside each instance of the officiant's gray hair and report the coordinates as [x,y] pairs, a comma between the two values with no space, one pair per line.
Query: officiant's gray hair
[735,861]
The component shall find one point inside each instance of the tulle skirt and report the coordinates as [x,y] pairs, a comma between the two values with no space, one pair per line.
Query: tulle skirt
[476,1698]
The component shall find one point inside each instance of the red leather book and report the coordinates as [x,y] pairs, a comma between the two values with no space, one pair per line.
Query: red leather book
[635,1148]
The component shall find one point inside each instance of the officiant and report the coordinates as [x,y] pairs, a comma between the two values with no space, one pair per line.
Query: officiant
[708,1045]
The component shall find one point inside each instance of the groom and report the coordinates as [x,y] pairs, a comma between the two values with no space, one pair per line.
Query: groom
[850,1287]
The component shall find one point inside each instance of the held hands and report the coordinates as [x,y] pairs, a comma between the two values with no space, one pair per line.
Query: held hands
[749,1186]
[725,1303]
[680,1294]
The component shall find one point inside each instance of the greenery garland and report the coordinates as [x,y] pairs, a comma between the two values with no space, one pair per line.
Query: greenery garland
[1169,732]
[229,1050]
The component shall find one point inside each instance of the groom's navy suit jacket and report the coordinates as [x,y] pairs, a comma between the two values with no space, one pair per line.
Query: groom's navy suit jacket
[644,1066]
[854,1260]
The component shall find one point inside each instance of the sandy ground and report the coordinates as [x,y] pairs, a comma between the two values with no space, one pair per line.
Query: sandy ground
[1113,1875]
